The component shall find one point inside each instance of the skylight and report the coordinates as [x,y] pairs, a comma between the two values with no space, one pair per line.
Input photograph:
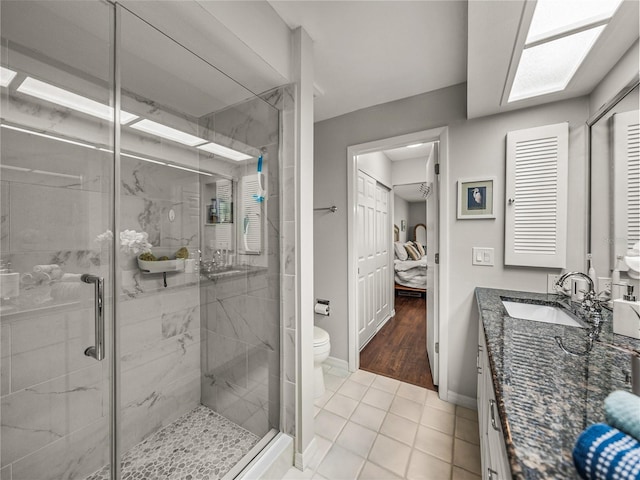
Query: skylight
[549,67]
[553,16]
[560,36]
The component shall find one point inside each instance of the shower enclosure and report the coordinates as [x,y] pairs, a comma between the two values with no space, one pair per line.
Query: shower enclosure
[117,142]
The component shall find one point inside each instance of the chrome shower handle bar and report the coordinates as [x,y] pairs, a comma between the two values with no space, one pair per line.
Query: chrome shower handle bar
[97,351]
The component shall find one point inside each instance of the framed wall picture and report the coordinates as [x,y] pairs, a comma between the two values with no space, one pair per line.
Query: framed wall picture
[475,198]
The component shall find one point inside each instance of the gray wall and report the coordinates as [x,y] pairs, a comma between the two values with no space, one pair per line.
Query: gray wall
[330,185]
[476,147]
[400,212]
[417,214]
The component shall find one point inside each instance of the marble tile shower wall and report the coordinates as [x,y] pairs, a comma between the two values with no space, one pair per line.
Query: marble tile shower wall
[160,361]
[54,399]
[240,357]
[52,396]
[243,351]
[149,193]
[160,327]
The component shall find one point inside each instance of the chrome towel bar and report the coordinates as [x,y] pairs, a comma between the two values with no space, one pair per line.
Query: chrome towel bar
[332,209]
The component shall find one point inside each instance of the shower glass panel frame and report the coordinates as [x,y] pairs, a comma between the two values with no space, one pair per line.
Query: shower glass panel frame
[190,341]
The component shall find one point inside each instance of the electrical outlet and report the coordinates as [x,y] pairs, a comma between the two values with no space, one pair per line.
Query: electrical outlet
[604,285]
[551,283]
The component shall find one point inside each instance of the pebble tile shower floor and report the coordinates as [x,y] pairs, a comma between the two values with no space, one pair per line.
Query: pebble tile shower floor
[200,445]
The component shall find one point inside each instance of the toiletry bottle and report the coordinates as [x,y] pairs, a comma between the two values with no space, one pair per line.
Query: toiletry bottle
[592,273]
[626,315]
[617,286]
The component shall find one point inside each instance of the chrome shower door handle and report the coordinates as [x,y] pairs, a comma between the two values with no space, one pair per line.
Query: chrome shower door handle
[97,351]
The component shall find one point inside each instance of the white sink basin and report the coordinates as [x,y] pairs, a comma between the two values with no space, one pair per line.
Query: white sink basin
[540,313]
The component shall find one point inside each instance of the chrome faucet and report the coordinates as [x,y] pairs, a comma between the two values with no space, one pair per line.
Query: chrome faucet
[590,301]
[562,279]
[593,308]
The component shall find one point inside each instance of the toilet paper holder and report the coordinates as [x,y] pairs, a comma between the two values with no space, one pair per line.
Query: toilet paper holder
[322,307]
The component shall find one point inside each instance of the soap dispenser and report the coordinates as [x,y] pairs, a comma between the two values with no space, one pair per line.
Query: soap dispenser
[626,315]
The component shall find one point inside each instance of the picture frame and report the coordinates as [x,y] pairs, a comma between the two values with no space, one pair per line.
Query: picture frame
[476,198]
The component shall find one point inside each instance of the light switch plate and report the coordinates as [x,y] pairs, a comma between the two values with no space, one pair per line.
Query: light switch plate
[483,256]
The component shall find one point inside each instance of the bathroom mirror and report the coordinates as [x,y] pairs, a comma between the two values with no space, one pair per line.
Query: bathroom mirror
[615,180]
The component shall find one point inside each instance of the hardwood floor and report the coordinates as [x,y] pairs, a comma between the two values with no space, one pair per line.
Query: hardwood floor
[399,350]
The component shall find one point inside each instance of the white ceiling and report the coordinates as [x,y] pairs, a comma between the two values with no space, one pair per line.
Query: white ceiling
[372,52]
[404,153]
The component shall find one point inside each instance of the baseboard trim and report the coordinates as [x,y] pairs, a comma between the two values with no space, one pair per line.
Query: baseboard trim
[302,459]
[462,400]
[337,363]
[384,322]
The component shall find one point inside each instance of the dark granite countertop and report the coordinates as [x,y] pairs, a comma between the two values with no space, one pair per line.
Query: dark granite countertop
[545,396]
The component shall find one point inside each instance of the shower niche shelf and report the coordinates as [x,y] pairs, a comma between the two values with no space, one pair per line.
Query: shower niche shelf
[217,205]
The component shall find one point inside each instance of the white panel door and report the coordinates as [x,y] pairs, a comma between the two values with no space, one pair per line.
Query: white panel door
[366,255]
[383,246]
[432,223]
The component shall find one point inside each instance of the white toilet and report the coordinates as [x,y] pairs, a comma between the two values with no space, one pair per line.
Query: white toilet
[321,349]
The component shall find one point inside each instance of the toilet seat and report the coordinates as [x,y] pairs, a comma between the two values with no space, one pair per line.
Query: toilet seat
[320,337]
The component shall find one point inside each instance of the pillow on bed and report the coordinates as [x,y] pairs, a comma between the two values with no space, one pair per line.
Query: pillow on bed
[411,251]
[420,249]
[401,253]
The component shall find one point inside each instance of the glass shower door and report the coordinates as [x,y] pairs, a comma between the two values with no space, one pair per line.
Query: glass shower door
[56,205]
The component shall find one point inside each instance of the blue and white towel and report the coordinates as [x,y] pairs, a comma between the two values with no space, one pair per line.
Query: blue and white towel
[622,410]
[605,453]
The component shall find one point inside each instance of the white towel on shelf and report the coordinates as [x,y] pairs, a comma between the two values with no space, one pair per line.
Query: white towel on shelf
[53,271]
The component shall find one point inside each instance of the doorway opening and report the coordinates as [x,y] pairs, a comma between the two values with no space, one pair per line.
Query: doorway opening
[399,343]
[399,349]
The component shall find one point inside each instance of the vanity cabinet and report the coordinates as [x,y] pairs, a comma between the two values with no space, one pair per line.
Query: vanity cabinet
[495,464]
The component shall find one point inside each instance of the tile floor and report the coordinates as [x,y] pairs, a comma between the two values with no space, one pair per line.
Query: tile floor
[199,445]
[371,427]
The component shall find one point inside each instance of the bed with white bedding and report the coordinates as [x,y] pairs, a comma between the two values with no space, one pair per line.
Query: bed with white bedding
[411,273]
[409,265]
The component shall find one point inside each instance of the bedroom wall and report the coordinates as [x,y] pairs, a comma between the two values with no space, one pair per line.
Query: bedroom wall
[476,147]
[400,212]
[417,214]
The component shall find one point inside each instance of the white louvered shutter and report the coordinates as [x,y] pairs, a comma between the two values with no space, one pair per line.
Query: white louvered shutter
[626,171]
[251,241]
[536,196]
